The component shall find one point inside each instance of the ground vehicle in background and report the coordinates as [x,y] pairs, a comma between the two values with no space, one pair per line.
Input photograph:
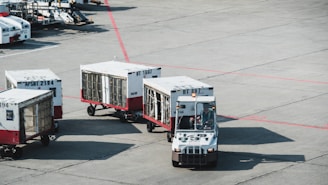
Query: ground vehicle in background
[196,135]
[12,28]
[43,79]
[47,12]
[160,96]
[115,85]
[24,115]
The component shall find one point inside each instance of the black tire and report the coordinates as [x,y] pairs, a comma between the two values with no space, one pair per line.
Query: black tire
[56,129]
[175,163]
[150,126]
[17,152]
[169,137]
[123,118]
[2,152]
[45,140]
[91,110]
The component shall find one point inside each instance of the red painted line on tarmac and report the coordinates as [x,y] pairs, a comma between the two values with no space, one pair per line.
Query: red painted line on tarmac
[118,35]
[263,119]
[71,97]
[252,118]
[241,74]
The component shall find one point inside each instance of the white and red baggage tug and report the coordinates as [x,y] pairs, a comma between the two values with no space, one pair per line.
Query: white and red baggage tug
[117,85]
[160,97]
[43,79]
[24,115]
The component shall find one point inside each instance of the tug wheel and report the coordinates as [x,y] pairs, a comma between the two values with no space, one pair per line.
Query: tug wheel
[150,126]
[175,163]
[17,152]
[123,117]
[169,137]
[91,110]
[45,140]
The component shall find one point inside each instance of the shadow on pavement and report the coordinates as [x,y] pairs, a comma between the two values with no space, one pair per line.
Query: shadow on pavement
[103,7]
[73,150]
[236,161]
[246,161]
[98,127]
[249,136]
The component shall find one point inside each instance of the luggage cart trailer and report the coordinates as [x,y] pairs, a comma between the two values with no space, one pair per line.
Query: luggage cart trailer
[160,96]
[43,79]
[24,115]
[117,85]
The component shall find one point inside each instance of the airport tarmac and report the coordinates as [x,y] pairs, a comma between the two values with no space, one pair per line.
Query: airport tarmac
[266,59]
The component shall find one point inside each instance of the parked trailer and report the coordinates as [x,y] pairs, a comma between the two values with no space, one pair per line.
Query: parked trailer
[24,115]
[160,96]
[43,79]
[115,85]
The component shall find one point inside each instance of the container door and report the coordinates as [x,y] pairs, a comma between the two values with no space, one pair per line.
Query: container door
[105,90]
[29,117]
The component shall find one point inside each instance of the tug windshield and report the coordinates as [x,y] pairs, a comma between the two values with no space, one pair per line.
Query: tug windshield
[196,116]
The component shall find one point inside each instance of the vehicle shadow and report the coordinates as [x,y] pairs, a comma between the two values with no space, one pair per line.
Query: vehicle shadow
[63,29]
[97,127]
[73,150]
[236,161]
[249,136]
[102,7]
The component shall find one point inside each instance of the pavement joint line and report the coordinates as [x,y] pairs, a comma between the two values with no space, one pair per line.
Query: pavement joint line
[286,104]
[25,52]
[276,61]
[266,174]
[95,178]
[221,73]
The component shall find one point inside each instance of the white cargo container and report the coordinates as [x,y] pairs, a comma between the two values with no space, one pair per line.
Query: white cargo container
[24,115]
[115,85]
[160,96]
[43,79]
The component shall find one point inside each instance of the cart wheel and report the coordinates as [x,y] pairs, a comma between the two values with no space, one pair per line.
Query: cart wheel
[175,163]
[169,136]
[45,140]
[91,110]
[123,117]
[2,152]
[56,129]
[17,152]
[150,126]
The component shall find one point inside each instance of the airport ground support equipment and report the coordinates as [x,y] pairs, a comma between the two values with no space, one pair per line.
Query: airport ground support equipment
[43,79]
[196,134]
[160,96]
[117,85]
[13,29]
[48,12]
[25,114]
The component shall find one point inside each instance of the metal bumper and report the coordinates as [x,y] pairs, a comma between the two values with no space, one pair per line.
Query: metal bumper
[195,159]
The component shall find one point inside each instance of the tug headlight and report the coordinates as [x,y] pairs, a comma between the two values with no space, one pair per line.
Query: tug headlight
[210,150]
[177,150]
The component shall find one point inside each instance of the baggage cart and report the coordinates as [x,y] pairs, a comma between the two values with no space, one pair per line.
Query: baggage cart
[43,79]
[160,96]
[24,115]
[117,85]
